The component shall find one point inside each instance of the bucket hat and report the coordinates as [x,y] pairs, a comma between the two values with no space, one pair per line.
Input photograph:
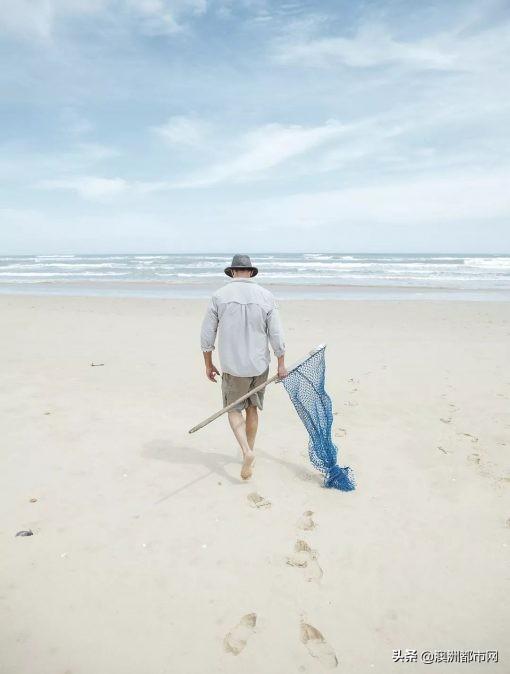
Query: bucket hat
[241,262]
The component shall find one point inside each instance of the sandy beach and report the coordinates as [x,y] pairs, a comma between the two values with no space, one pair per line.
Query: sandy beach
[149,553]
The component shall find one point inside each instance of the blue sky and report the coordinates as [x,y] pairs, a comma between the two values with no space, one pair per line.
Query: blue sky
[218,125]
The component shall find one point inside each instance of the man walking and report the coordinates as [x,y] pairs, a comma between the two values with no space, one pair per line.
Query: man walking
[246,316]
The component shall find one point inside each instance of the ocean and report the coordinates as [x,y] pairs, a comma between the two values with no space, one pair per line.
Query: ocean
[307,274]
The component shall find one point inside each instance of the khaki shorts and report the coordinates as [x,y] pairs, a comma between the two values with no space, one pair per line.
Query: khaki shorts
[233,388]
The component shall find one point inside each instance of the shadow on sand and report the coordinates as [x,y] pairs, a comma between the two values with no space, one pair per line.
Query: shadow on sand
[215,462]
[164,450]
[299,471]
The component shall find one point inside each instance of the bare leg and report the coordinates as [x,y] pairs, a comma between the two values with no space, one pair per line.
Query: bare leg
[252,423]
[238,425]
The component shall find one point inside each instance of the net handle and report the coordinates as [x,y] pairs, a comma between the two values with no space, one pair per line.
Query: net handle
[275,379]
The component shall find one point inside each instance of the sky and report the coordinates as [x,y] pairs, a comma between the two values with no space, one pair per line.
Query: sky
[254,125]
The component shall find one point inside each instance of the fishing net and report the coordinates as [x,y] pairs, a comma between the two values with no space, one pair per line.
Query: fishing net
[305,386]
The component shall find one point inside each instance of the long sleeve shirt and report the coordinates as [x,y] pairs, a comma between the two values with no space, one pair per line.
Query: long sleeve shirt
[246,318]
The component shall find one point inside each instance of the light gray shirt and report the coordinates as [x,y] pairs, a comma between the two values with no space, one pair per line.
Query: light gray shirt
[246,317]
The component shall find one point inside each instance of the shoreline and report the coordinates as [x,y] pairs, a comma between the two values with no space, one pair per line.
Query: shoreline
[322,291]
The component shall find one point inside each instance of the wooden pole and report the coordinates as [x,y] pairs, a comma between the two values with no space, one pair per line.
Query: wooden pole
[252,391]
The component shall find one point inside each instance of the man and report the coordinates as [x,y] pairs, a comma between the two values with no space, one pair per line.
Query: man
[247,317]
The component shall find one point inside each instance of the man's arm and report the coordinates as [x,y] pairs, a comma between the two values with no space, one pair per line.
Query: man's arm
[276,339]
[207,339]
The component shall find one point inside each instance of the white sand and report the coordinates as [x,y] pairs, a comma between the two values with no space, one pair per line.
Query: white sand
[147,552]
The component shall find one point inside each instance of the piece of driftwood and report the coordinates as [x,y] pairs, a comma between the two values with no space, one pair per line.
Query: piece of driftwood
[252,391]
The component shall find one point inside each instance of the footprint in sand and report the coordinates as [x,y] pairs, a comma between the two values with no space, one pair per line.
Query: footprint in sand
[317,646]
[446,421]
[306,558]
[473,438]
[258,501]
[306,521]
[235,640]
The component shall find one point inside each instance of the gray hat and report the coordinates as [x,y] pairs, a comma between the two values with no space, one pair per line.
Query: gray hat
[241,262]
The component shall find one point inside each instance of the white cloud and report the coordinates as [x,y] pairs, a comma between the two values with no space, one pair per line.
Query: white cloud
[375,45]
[95,152]
[26,19]
[88,187]
[165,16]
[38,18]
[258,153]
[263,149]
[449,212]
[181,130]
[371,46]
[19,163]
[412,203]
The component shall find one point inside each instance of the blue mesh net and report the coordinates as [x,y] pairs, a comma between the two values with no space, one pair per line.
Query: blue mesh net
[305,386]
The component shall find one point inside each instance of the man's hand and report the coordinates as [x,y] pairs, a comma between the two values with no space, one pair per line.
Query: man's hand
[282,371]
[211,372]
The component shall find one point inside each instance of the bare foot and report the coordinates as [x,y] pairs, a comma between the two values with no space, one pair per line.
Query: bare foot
[246,470]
